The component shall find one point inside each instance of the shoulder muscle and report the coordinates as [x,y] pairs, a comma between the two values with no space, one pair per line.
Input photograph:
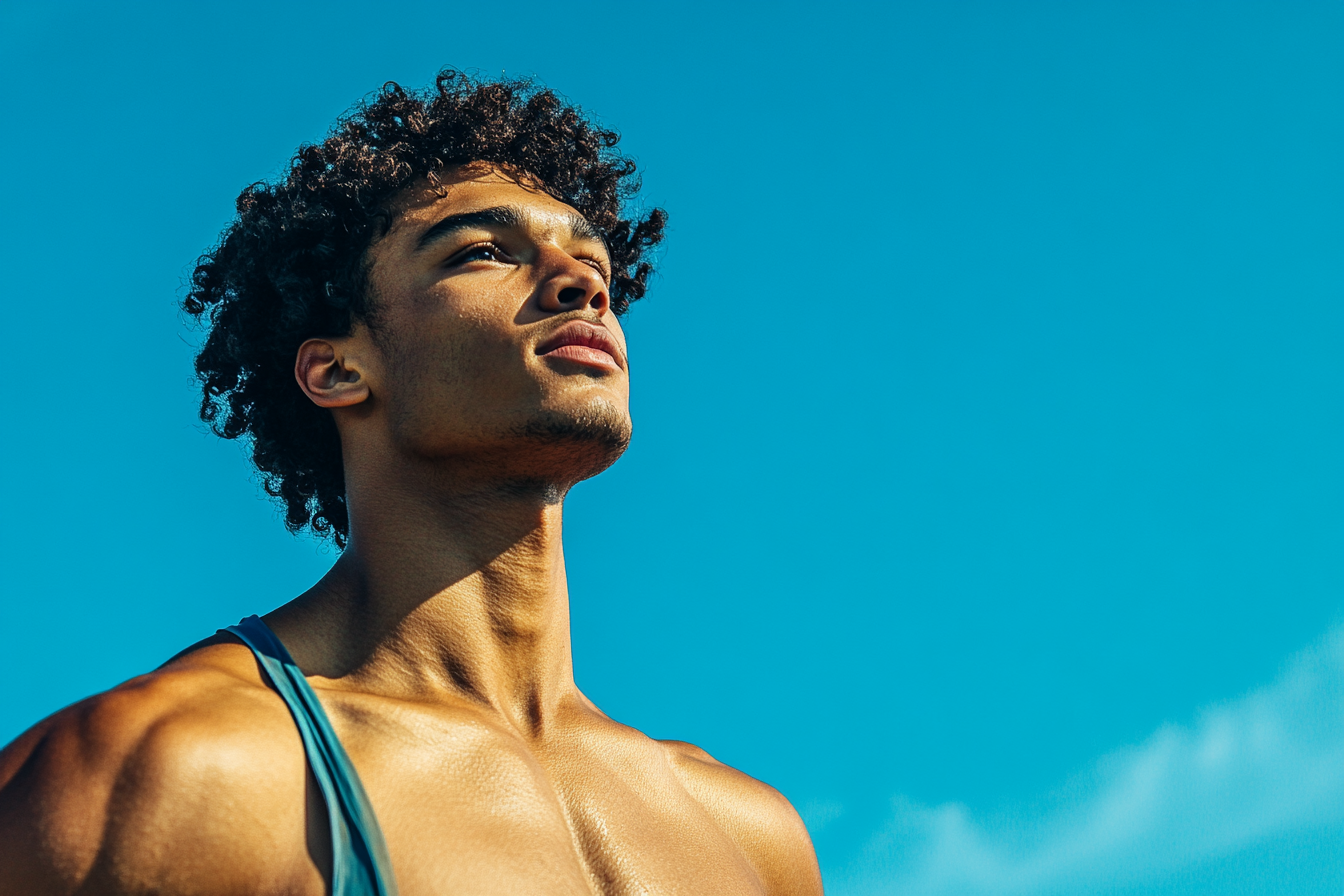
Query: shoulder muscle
[153,786]
[757,816]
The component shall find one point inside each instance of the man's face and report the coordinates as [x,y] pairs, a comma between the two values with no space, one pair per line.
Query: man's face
[494,337]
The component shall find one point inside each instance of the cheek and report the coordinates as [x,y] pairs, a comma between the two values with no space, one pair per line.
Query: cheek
[458,362]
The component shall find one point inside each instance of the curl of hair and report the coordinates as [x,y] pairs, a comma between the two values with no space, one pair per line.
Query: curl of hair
[292,265]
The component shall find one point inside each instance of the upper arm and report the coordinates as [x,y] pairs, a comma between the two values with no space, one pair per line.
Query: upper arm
[758,818]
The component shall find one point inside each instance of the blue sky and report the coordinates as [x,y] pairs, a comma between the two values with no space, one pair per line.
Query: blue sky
[1007,544]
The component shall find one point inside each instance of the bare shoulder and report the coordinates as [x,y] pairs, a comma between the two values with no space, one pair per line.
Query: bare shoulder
[757,816]
[162,784]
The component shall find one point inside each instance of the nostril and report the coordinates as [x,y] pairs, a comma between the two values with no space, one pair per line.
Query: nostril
[571,294]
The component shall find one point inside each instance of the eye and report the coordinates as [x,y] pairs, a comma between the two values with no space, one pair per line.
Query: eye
[479,252]
[600,266]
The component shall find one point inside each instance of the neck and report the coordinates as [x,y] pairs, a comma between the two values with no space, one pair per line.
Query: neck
[456,590]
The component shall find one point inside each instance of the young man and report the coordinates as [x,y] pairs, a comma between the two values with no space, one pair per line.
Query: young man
[418,329]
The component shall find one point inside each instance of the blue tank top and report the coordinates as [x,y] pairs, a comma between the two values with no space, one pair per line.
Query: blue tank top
[359,862]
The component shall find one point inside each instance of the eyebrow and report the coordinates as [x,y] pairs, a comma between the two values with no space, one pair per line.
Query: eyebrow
[511,217]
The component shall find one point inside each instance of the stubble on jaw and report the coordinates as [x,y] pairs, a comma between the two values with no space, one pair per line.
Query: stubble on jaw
[569,448]
[539,455]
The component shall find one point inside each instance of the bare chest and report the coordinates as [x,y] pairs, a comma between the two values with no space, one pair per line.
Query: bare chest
[467,809]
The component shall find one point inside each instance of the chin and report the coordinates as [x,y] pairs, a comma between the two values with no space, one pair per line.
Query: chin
[584,442]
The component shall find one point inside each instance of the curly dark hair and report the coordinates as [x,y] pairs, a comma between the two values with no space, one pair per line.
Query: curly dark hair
[293,264]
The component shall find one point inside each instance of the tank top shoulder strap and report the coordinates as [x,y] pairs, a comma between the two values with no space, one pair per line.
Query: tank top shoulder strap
[360,866]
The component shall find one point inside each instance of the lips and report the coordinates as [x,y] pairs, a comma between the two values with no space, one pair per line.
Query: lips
[584,343]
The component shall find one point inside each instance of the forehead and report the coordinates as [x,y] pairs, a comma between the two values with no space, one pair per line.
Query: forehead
[473,188]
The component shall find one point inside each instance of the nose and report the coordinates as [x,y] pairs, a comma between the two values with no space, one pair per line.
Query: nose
[572,285]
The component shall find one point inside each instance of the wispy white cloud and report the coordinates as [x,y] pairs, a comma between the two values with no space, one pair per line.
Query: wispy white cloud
[1265,764]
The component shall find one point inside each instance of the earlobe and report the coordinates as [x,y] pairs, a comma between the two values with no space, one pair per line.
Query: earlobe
[327,377]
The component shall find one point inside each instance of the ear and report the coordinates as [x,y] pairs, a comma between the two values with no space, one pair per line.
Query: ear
[328,376]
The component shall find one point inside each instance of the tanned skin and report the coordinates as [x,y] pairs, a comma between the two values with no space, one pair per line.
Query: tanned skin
[438,643]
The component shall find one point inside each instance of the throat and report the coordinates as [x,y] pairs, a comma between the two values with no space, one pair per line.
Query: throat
[475,610]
